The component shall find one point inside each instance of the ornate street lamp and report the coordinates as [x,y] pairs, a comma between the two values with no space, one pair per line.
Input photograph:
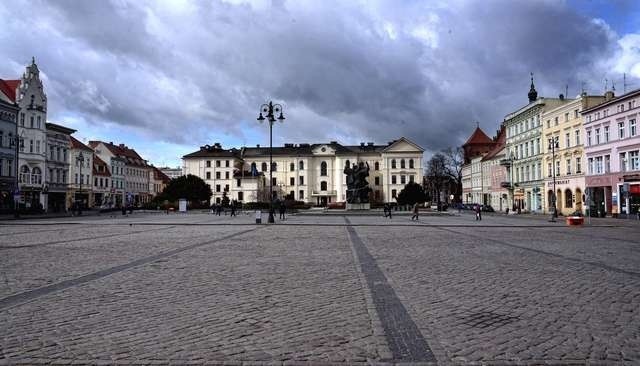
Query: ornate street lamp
[270,110]
[80,159]
[17,142]
[553,145]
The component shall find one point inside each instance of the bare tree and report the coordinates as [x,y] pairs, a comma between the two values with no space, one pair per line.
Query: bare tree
[454,159]
[436,174]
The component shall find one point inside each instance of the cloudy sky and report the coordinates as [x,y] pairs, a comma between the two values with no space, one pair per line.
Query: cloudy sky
[167,76]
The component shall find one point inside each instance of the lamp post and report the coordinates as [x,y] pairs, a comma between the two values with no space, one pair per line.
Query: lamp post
[512,185]
[553,145]
[270,110]
[16,142]
[80,159]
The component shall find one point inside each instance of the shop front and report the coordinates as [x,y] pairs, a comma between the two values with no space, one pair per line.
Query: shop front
[569,195]
[601,199]
[628,192]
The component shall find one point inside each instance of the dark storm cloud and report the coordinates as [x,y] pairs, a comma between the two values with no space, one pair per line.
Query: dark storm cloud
[189,72]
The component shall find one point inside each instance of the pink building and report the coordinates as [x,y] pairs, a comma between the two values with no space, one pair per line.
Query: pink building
[612,149]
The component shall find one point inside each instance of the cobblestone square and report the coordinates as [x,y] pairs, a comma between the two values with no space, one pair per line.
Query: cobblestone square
[318,289]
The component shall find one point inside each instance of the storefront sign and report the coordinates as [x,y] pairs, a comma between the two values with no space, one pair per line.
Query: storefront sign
[559,182]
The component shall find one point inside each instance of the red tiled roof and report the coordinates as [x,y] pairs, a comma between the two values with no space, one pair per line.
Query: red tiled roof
[75,144]
[478,137]
[8,87]
[99,162]
[159,175]
[130,155]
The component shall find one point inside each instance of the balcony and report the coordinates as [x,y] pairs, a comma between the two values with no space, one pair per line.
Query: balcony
[505,162]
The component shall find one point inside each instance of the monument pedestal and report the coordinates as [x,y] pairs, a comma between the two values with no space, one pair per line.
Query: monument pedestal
[358,206]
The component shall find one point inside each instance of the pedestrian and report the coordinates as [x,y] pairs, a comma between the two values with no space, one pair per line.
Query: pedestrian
[415,211]
[218,209]
[233,208]
[283,210]
[478,213]
[385,209]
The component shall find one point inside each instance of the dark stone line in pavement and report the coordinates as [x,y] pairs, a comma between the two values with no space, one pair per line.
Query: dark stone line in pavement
[538,251]
[403,336]
[24,297]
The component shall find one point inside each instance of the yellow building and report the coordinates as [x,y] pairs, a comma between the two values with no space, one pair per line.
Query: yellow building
[564,168]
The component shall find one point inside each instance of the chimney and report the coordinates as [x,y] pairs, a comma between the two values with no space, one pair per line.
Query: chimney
[369,143]
[121,146]
[362,144]
[608,95]
[561,97]
[257,145]
[110,142]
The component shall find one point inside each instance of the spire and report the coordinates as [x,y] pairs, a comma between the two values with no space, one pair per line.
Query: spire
[33,60]
[533,94]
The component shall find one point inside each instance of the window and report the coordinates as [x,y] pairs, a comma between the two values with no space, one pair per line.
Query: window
[634,160]
[301,194]
[95,180]
[39,119]
[393,179]
[555,121]
[568,166]
[538,146]
[549,169]
[632,127]
[36,176]
[30,146]
[217,175]
[607,163]
[590,165]
[393,163]
[589,138]
[226,175]
[274,166]
[567,140]
[292,181]
[22,119]
[578,165]
[548,123]
[568,198]
[403,179]
[377,181]
[598,167]
[226,163]
[208,163]
[566,117]
[217,163]
[376,166]
[526,173]
[606,133]
[31,120]
[301,165]
[301,179]
[264,167]
[526,149]
[539,171]
[412,178]
[51,152]
[292,167]
[323,186]
[208,175]
[238,182]
[323,168]
[393,193]
[620,130]
[575,113]
[217,188]
[623,162]
[402,164]
[597,136]
[410,163]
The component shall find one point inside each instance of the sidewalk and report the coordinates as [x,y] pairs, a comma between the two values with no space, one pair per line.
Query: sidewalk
[55,215]
[561,219]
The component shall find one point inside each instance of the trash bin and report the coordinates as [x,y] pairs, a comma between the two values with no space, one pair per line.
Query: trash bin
[258,217]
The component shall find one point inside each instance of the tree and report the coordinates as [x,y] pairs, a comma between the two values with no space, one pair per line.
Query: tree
[411,193]
[437,174]
[189,187]
[454,159]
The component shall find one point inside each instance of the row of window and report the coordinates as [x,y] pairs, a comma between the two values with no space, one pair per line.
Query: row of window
[528,172]
[6,140]
[605,112]
[57,176]
[523,126]
[34,121]
[527,149]
[31,146]
[30,176]
[629,161]
[568,167]
[601,135]
[576,114]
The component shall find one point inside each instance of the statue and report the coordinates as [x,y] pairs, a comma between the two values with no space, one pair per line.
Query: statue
[357,185]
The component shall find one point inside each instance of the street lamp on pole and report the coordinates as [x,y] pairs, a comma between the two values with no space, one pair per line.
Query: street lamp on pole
[17,142]
[553,145]
[270,110]
[80,159]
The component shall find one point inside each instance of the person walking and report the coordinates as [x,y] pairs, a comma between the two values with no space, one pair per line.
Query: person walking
[478,213]
[385,209]
[233,208]
[283,210]
[415,211]
[218,209]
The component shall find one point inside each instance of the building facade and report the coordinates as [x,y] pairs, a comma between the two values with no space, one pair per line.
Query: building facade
[313,173]
[612,149]
[563,166]
[172,173]
[81,171]
[157,181]
[8,129]
[103,192]
[494,174]
[57,172]
[477,146]
[525,152]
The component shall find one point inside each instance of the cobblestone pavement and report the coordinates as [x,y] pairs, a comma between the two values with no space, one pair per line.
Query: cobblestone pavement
[201,289]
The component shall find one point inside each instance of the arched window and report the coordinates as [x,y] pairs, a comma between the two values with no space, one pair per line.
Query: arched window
[393,163]
[264,167]
[36,176]
[292,166]
[402,164]
[568,198]
[410,163]
[253,167]
[323,168]
[301,165]
[376,166]
[323,186]
[24,174]
[274,167]
[550,199]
